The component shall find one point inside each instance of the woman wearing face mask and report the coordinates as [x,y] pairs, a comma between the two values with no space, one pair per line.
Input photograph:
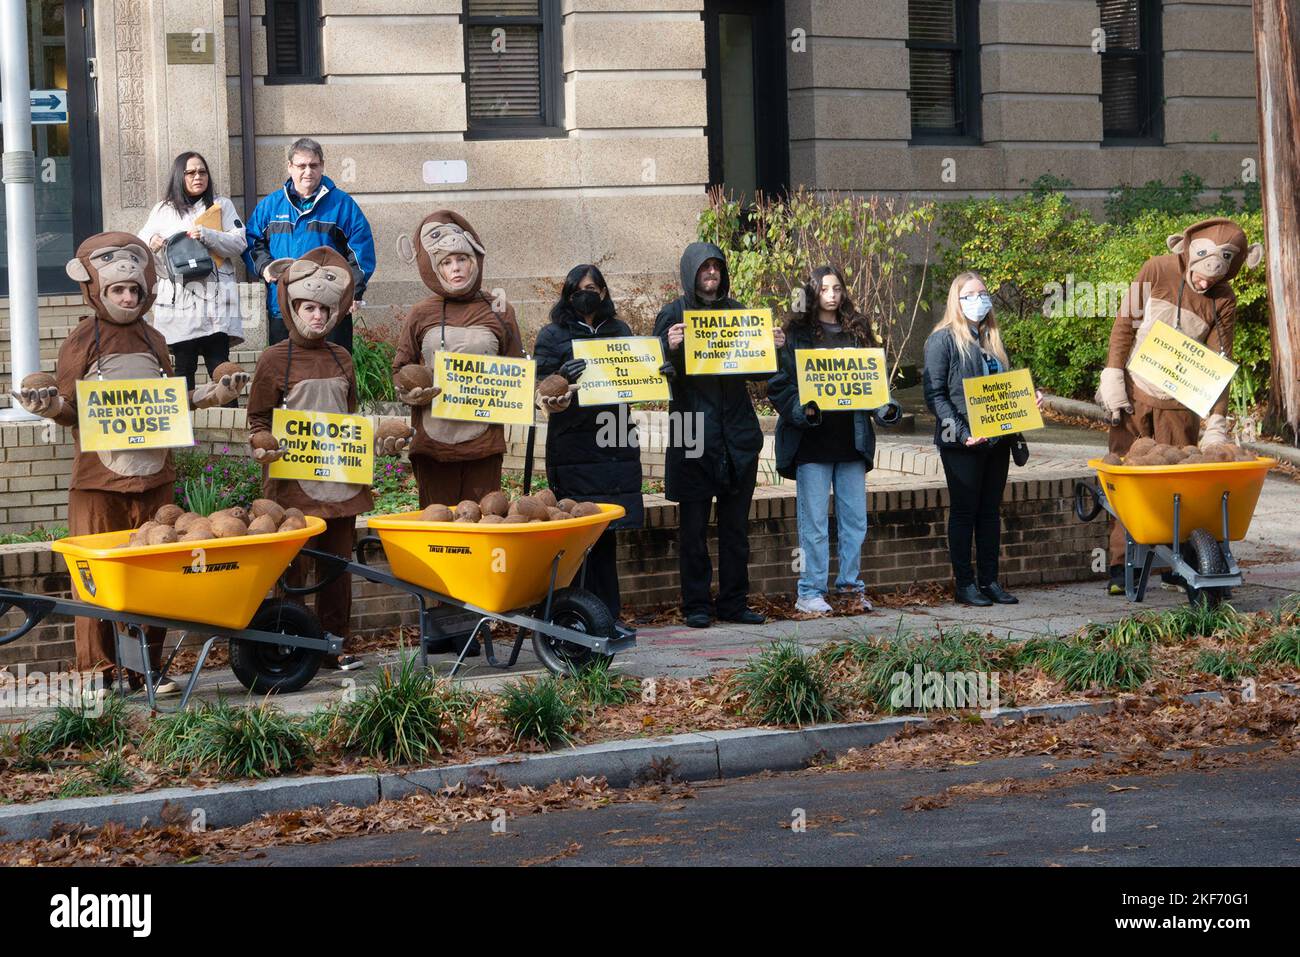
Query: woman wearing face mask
[581,462]
[965,344]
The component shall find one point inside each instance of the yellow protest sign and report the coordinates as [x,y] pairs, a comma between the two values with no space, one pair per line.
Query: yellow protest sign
[625,369]
[1190,372]
[1001,404]
[116,415]
[323,447]
[478,388]
[842,379]
[729,341]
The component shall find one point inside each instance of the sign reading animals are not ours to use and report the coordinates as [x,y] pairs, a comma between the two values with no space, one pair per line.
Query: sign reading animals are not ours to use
[1001,404]
[495,390]
[117,415]
[1192,373]
[842,379]
[729,341]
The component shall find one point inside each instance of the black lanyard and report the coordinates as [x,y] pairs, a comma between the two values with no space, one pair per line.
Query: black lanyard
[162,371]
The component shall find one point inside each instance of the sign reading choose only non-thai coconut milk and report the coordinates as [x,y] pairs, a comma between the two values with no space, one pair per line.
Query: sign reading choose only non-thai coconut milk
[478,388]
[323,446]
[729,341]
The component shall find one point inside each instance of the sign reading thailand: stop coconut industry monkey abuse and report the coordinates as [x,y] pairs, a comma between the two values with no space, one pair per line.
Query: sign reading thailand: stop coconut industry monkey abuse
[729,341]
[622,369]
[1001,404]
[494,390]
[323,447]
[118,415]
[1188,371]
[842,379]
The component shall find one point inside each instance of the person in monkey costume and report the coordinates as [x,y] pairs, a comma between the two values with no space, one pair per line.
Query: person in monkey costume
[452,460]
[307,372]
[1189,289]
[111,491]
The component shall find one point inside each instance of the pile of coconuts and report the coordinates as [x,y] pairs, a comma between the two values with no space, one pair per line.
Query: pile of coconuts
[171,523]
[495,508]
[1145,451]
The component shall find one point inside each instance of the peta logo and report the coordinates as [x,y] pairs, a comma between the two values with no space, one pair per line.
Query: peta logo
[76,910]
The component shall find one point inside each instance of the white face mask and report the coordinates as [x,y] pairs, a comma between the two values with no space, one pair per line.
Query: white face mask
[975,308]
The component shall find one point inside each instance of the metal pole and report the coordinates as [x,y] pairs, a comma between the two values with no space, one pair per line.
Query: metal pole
[19,170]
[247,139]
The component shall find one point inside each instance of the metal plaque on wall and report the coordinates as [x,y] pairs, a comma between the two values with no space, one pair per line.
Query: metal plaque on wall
[194,47]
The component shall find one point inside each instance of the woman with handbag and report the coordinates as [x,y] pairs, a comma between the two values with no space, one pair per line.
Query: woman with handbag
[966,343]
[196,238]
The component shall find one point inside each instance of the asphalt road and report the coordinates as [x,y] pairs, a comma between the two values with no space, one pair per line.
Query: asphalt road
[1248,814]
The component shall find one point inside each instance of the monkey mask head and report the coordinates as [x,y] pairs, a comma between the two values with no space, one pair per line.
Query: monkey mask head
[448,254]
[106,265]
[1213,251]
[321,276]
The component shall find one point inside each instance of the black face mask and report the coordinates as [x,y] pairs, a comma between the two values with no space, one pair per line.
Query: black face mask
[585,302]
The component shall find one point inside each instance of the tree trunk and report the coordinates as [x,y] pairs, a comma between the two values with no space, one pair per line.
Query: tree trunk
[1277,58]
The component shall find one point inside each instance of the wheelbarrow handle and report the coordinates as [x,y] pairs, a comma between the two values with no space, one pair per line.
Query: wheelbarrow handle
[336,566]
[34,607]
[364,544]
[1082,492]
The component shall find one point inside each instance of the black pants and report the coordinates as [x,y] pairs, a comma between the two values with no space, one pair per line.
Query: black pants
[601,571]
[733,550]
[214,348]
[976,477]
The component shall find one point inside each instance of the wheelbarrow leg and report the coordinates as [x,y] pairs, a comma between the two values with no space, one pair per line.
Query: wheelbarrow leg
[487,647]
[194,675]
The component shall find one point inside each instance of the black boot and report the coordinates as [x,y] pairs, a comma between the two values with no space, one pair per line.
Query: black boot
[999,594]
[1116,584]
[970,595]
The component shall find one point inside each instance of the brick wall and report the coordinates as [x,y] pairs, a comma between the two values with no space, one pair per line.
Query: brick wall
[1042,542]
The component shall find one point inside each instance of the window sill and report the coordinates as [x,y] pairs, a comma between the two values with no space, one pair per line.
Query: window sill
[1131,142]
[942,140]
[517,133]
[292,80]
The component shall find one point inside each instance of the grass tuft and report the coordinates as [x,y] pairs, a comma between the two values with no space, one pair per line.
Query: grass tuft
[783,685]
[1282,648]
[100,726]
[407,715]
[1227,665]
[1081,663]
[539,709]
[230,741]
[599,687]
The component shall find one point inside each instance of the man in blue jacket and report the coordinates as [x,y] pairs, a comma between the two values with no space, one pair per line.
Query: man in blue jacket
[309,212]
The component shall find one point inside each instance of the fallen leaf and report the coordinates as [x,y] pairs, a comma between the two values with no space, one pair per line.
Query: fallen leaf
[1115,788]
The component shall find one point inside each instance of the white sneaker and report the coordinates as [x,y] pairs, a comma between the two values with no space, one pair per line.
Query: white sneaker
[813,606]
[167,688]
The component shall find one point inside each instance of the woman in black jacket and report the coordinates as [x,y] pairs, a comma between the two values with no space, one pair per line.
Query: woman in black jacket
[824,449]
[578,464]
[966,343]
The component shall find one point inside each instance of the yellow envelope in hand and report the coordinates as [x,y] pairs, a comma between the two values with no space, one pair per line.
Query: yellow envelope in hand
[211,218]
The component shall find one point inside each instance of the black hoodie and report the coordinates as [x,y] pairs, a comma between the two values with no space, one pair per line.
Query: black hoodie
[725,457]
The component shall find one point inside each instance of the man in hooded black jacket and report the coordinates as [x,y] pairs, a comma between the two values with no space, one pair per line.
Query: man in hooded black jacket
[713,449]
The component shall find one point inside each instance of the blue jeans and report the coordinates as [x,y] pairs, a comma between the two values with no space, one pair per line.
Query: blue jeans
[815,480]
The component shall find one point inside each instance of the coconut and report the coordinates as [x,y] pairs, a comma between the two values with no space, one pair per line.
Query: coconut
[495,503]
[141,534]
[1196,458]
[183,522]
[393,429]
[1173,456]
[1110,458]
[238,514]
[557,514]
[263,525]
[437,513]
[292,512]
[225,369]
[1191,449]
[514,518]
[414,376]
[264,441]
[161,535]
[468,510]
[198,530]
[1141,446]
[583,509]
[528,507]
[168,514]
[227,526]
[1216,453]
[39,380]
[546,497]
[265,506]
[1244,455]
[554,386]
[491,520]
[566,504]
[293,523]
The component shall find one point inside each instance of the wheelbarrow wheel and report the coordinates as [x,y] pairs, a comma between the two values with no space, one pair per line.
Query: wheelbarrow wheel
[580,610]
[1202,550]
[267,668]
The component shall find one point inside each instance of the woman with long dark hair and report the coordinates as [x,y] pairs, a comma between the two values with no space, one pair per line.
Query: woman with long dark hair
[197,314]
[592,451]
[825,450]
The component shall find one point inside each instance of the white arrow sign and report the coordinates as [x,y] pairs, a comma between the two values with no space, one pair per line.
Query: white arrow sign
[49,106]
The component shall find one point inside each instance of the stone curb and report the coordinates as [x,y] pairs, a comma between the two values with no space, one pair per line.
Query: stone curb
[697,756]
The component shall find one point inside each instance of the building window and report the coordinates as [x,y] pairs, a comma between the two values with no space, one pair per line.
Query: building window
[293,41]
[513,71]
[1131,83]
[943,50]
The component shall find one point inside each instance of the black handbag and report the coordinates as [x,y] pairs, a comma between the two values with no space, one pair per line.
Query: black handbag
[1019,449]
[187,259]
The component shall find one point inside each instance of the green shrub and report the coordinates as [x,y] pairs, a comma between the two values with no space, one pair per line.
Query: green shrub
[889,680]
[372,359]
[1282,648]
[539,709]
[1201,620]
[1227,665]
[38,534]
[407,715]
[599,687]
[90,727]
[231,741]
[110,773]
[394,488]
[783,685]
[1081,664]
[208,483]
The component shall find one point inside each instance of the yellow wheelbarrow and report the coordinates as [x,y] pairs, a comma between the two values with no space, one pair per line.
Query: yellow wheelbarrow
[1169,513]
[519,574]
[216,589]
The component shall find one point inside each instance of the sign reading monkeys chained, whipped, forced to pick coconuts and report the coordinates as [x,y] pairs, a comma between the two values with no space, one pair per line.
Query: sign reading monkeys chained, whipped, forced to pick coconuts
[729,341]
[323,447]
[1190,372]
[1001,404]
[117,415]
[494,390]
[842,379]
[622,369]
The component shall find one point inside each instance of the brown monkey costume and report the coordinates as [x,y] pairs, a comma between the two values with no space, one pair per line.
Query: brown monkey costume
[111,491]
[1189,289]
[453,460]
[306,371]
